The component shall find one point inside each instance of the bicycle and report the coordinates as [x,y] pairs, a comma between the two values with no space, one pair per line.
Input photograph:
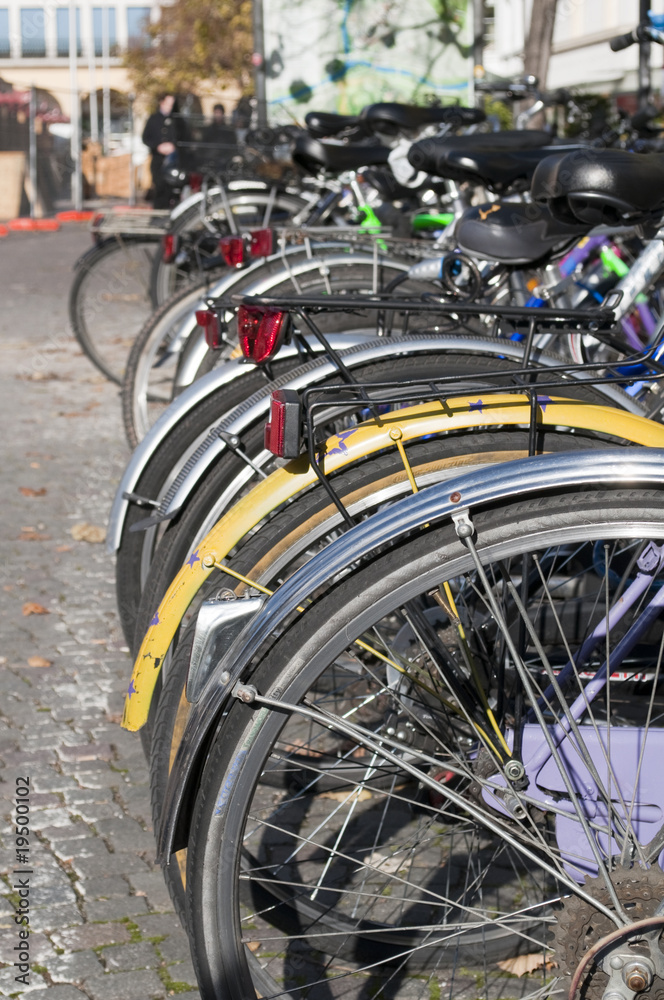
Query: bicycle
[429,741]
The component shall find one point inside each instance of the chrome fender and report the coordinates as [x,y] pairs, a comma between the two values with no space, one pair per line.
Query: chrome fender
[472,491]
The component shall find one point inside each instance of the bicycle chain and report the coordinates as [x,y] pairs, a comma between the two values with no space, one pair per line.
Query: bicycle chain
[580,926]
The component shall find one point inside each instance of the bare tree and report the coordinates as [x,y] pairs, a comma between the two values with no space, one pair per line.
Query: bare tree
[537,51]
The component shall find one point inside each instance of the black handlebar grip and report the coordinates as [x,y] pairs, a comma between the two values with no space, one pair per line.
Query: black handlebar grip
[622,41]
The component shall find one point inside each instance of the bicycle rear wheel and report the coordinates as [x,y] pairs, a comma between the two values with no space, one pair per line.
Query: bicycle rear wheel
[423,873]
[292,536]
[109,301]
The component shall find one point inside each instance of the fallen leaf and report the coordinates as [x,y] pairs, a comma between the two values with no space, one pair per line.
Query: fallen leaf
[39,661]
[253,945]
[140,892]
[84,532]
[27,491]
[347,796]
[30,535]
[115,717]
[35,465]
[8,586]
[386,864]
[523,964]
[37,377]
[3,659]
[63,548]
[32,608]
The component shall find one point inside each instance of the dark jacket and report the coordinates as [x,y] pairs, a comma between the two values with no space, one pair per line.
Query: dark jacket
[162,128]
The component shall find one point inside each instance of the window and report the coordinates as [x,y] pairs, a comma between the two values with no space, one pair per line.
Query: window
[103,19]
[138,19]
[32,32]
[62,30]
[4,33]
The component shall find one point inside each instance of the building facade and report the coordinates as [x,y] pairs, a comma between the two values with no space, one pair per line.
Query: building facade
[580,56]
[34,45]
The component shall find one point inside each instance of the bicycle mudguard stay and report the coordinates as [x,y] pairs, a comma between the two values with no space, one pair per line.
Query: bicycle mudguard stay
[463,496]
[362,353]
[293,271]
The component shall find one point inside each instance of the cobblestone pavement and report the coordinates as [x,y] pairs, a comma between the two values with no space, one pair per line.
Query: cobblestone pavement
[101,921]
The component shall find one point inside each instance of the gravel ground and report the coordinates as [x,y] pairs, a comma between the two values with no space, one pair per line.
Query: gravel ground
[100,918]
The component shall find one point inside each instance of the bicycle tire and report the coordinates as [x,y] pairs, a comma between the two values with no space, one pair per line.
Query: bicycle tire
[313,880]
[270,555]
[103,277]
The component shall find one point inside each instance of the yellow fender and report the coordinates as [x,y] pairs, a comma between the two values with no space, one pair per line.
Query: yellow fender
[351,445]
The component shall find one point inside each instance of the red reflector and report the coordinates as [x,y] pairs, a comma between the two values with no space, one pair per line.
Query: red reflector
[195,182]
[170,248]
[209,321]
[282,433]
[260,243]
[260,331]
[232,250]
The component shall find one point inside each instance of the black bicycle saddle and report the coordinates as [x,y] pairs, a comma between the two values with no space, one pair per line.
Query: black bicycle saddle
[391,118]
[312,155]
[515,232]
[601,186]
[323,123]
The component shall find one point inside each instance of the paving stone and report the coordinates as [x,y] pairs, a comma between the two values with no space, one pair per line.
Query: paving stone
[126,834]
[115,909]
[55,918]
[88,751]
[158,925]
[175,947]
[183,972]
[104,888]
[57,895]
[51,817]
[110,864]
[60,993]
[141,985]
[90,936]
[92,812]
[76,796]
[75,968]
[44,800]
[8,984]
[75,830]
[131,956]
[153,886]
[39,946]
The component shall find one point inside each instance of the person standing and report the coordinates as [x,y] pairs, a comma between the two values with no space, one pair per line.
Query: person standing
[162,132]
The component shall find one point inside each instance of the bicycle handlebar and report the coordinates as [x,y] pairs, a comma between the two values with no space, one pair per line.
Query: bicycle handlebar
[644,32]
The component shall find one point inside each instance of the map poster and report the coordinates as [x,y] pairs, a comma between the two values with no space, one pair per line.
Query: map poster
[340,55]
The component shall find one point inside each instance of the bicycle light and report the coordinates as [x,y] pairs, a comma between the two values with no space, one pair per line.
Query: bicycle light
[169,248]
[209,321]
[260,243]
[232,250]
[260,331]
[282,432]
